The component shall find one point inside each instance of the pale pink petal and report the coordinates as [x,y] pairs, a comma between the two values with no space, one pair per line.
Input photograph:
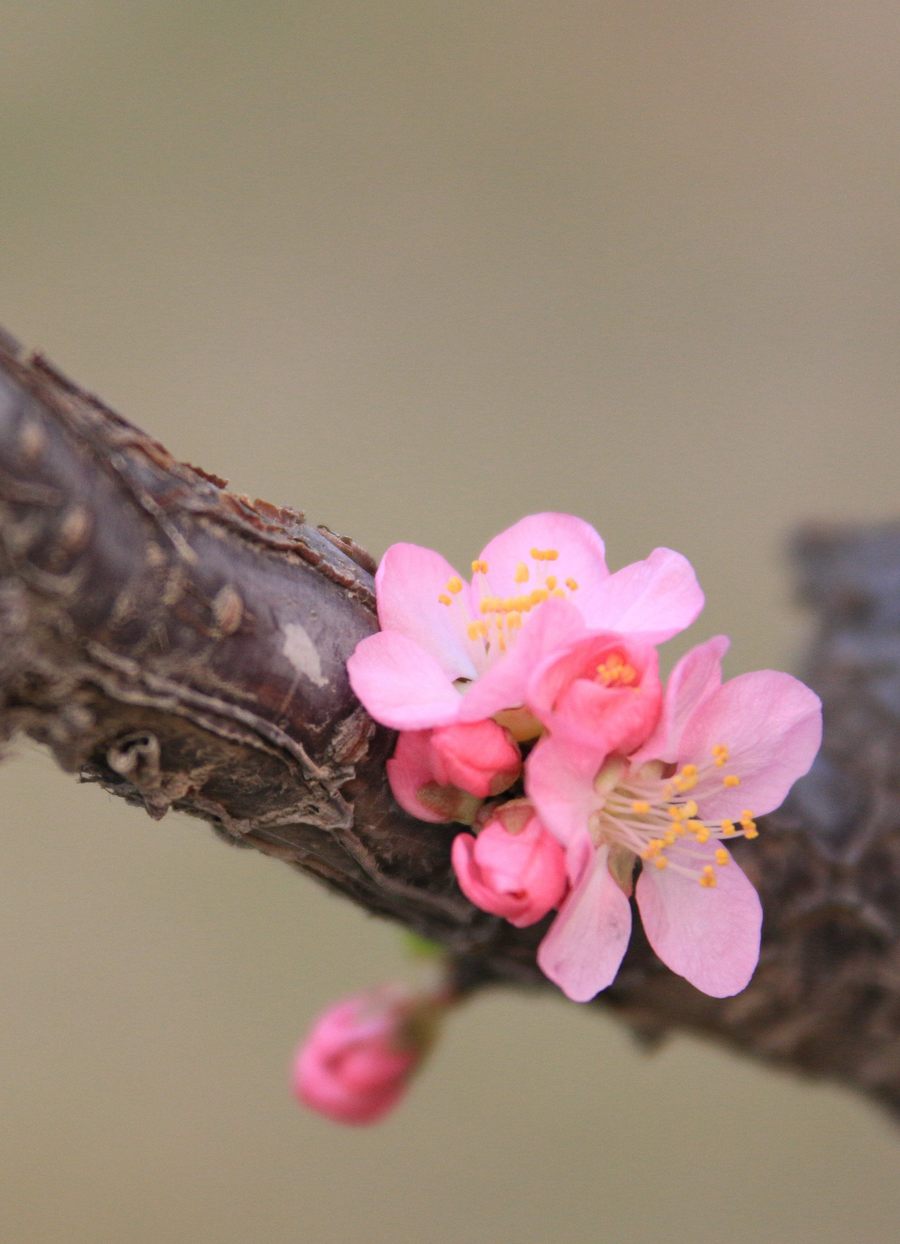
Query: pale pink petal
[710,936]
[581,556]
[695,677]
[652,599]
[401,684]
[409,770]
[772,726]
[559,781]
[505,683]
[566,694]
[407,586]
[585,945]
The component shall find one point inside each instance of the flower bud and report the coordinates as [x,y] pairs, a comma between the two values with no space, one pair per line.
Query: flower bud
[443,774]
[515,868]
[357,1060]
[479,757]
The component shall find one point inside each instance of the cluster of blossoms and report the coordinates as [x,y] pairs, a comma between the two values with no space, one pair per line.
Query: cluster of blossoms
[530,708]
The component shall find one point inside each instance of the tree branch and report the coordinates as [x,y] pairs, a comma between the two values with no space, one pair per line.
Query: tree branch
[186,648]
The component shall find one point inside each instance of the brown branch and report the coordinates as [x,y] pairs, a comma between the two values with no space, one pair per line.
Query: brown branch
[186,647]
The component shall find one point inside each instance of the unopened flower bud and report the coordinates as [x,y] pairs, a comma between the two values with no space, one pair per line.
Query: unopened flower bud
[514,868]
[356,1062]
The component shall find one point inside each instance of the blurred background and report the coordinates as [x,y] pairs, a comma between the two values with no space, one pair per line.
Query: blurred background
[421,268]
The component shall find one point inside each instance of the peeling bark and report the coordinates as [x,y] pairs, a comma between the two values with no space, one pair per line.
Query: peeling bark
[186,648]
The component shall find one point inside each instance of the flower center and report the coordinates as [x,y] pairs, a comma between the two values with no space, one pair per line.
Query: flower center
[648,814]
[501,617]
[615,671]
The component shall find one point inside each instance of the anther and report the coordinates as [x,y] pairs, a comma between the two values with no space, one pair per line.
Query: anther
[641,806]
[445,599]
[454,585]
[708,877]
[661,862]
[551,581]
[572,585]
[722,857]
[727,828]
[731,779]
[521,575]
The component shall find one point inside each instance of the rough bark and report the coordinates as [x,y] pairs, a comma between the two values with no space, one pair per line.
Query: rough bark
[186,648]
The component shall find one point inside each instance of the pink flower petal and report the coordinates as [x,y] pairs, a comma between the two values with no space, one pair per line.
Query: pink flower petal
[559,781]
[584,946]
[505,683]
[772,726]
[710,936]
[407,586]
[695,677]
[401,684]
[409,770]
[652,599]
[581,556]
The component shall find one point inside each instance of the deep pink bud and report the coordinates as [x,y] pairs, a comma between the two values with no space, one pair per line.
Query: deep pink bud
[514,868]
[356,1062]
[443,774]
[479,757]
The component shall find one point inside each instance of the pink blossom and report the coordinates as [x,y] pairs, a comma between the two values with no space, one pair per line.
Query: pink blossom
[356,1062]
[443,774]
[451,650]
[601,689]
[719,756]
[514,868]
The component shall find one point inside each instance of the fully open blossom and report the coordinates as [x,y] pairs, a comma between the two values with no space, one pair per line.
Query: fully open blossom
[514,868]
[357,1060]
[456,651]
[719,755]
[443,774]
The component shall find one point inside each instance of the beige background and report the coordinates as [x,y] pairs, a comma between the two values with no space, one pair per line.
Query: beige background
[421,268]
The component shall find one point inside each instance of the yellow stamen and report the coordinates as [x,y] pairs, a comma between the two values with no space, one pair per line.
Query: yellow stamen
[479,567]
[728,828]
[641,806]
[474,630]
[445,599]
[661,862]
[521,575]
[551,581]
[572,585]
[722,857]
[731,779]
[708,877]
[454,585]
